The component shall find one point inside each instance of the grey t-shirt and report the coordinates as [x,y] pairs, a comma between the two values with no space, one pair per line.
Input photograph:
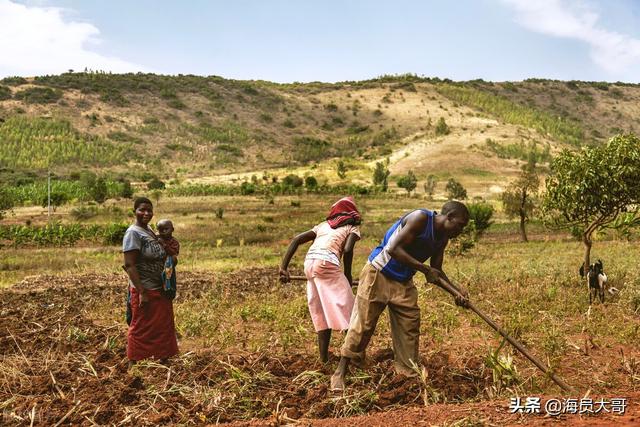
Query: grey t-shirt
[150,262]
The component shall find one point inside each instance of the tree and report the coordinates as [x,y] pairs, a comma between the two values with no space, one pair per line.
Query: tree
[481,214]
[127,190]
[442,128]
[155,184]
[519,200]
[6,201]
[341,169]
[311,182]
[408,182]
[58,198]
[292,181]
[156,195]
[455,190]
[380,175]
[99,191]
[587,190]
[430,186]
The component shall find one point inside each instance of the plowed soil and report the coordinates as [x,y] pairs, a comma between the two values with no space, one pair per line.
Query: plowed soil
[60,365]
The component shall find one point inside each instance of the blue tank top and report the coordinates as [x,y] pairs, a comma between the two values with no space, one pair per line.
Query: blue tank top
[422,248]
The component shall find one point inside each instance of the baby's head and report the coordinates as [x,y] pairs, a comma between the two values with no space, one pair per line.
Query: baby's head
[165,228]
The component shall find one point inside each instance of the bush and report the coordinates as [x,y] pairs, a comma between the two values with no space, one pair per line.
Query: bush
[481,214]
[442,128]
[114,233]
[219,213]
[14,81]
[292,181]
[5,93]
[39,95]
[311,183]
[84,212]
[58,198]
[380,175]
[455,190]
[155,184]
[6,201]
[408,182]
[127,190]
[247,188]
[307,148]
[99,191]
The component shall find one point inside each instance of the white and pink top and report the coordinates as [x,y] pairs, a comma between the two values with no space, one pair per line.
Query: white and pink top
[329,242]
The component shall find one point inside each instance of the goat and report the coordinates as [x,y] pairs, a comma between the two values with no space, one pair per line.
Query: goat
[597,280]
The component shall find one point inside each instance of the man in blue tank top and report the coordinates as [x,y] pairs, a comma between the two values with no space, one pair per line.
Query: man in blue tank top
[387,281]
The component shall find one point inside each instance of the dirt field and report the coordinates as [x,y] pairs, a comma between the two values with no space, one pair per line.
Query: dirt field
[61,361]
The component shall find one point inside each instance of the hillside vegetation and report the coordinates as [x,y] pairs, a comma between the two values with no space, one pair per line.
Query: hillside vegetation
[214,130]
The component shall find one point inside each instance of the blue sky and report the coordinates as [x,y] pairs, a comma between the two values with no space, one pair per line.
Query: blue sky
[326,40]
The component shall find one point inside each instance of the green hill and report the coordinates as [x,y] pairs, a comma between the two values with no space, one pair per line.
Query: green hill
[210,129]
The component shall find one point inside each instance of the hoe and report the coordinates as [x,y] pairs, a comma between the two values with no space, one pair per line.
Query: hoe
[518,346]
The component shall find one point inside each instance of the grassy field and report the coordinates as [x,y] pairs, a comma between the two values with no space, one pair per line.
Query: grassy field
[247,342]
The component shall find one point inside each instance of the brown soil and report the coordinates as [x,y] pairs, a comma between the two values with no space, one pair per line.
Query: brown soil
[57,362]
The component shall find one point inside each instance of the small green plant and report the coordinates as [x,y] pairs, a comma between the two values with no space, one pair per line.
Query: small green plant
[504,373]
[455,190]
[219,213]
[155,184]
[408,182]
[442,128]
[341,169]
[381,175]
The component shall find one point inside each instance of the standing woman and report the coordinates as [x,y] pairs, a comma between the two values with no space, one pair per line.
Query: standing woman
[152,333]
[329,294]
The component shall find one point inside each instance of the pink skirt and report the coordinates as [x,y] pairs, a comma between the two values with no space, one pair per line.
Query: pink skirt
[329,295]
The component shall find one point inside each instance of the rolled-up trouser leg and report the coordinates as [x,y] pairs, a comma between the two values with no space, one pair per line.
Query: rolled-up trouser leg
[371,301]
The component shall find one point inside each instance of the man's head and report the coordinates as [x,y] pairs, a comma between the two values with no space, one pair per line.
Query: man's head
[457,218]
[165,228]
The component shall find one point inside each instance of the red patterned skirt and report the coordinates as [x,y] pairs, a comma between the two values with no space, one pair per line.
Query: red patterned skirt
[152,333]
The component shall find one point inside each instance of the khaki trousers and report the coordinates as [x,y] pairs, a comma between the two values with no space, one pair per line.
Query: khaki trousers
[375,293]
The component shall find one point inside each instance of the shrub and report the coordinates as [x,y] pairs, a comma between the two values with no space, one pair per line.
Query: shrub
[408,182]
[292,181]
[332,107]
[267,118]
[14,81]
[58,198]
[247,188]
[6,201]
[380,175]
[481,214]
[289,124]
[307,148]
[39,95]
[455,190]
[84,212]
[99,191]
[126,191]
[155,184]
[310,182]
[114,233]
[442,128]
[5,93]
[219,213]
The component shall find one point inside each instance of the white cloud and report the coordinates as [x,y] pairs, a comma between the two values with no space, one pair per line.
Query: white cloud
[574,19]
[39,40]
